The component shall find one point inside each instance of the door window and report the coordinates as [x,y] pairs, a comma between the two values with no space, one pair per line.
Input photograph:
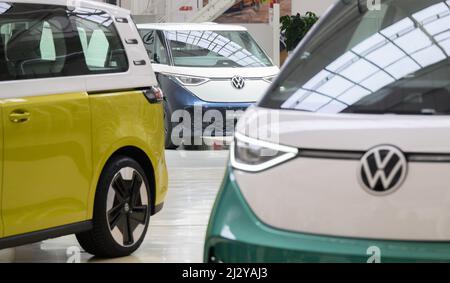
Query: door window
[41,41]
[33,46]
[155,47]
[160,51]
[101,43]
[148,36]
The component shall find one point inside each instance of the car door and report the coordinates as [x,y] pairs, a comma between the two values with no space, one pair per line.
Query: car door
[46,121]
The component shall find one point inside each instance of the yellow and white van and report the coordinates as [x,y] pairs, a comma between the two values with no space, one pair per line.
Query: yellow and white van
[82,127]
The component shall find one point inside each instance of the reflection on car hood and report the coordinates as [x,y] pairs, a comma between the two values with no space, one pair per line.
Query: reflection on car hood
[348,132]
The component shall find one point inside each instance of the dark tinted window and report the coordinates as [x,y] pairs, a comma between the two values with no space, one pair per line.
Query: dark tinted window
[39,41]
[388,61]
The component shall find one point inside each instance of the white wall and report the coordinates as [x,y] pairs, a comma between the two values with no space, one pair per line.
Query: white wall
[316,6]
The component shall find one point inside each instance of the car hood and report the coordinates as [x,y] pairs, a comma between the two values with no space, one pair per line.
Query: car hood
[218,73]
[347,132]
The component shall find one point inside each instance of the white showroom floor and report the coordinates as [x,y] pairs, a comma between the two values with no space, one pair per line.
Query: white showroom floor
[175,235]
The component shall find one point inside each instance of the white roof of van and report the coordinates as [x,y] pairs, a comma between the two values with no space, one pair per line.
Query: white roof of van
[112,9]
[191,26]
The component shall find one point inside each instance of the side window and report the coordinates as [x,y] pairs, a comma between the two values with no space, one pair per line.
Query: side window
[33,46]
[41,41]
[160,51]
[148,37]
[155,47]
[37,41]
[102,46]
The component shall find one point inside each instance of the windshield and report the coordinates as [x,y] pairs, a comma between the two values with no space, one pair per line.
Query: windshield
[215,49]
[392,60]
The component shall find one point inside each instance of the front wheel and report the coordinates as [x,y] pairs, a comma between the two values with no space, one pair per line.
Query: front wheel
[121,211]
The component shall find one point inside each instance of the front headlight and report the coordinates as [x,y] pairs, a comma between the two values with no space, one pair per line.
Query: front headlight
[252,155]
[191,81]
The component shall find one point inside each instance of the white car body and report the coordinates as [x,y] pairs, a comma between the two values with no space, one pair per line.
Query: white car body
[317,187]
[324,196]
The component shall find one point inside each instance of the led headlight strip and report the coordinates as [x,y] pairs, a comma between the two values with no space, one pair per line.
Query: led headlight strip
[191,81]
[287,154]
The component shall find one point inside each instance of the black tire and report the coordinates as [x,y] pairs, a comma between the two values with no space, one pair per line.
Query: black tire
[123,204]
[168,126]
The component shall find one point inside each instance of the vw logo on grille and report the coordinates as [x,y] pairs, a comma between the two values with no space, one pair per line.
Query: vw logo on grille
[238,82]
[383,170]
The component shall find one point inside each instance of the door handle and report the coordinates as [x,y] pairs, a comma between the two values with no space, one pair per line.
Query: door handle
[19,116]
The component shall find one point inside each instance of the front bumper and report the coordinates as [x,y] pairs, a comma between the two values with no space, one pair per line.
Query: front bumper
[236,235]
[201,120]
[201,114]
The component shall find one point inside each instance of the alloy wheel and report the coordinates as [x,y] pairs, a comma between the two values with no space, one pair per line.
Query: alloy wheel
[127,207]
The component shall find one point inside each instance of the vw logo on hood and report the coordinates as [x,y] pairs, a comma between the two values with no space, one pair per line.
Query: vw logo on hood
[238,82]
[383,170]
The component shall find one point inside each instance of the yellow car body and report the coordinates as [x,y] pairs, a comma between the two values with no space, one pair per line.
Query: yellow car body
[52,162]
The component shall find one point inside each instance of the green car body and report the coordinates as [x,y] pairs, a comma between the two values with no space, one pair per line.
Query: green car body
[236,235]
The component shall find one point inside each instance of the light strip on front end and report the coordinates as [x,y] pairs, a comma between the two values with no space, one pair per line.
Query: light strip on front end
[290,153]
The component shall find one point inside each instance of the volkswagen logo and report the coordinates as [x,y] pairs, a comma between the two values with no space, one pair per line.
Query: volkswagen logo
[238,82]
[383,170]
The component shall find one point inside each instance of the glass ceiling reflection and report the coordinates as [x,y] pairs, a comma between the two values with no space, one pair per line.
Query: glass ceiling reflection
[378,61]
[4,7]
[218,44]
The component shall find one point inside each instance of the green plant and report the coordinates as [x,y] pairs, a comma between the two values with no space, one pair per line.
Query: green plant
[294,28]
